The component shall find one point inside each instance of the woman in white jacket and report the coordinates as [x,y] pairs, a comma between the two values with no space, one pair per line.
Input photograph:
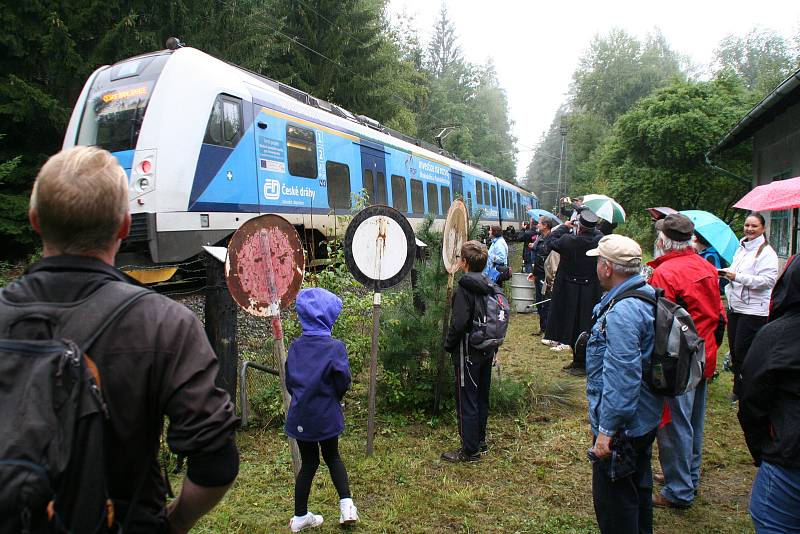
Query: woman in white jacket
[752,276]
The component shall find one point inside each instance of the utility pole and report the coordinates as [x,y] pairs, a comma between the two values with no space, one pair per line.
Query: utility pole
[561,162]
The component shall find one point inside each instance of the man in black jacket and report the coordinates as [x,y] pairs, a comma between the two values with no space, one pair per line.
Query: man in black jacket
[473,367]
[154,361]
[576,289]
[769,409]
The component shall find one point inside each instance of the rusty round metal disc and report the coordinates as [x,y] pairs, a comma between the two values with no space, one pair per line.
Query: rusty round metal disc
[379,247]
[454,235]
[265,265]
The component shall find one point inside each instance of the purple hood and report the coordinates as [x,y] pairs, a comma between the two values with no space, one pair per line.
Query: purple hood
[317,310]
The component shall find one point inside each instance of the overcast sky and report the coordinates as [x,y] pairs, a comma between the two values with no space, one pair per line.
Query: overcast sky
[536,44]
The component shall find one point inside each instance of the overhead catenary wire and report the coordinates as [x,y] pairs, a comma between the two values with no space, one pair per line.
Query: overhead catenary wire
[345,67]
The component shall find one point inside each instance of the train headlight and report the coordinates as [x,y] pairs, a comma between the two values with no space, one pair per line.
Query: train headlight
[144,184]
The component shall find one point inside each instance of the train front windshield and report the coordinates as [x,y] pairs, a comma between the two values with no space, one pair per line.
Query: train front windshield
[114,111]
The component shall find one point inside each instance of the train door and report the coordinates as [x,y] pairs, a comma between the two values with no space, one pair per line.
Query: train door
[373,172]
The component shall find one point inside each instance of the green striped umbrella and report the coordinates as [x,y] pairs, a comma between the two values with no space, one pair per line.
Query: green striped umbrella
[605,207]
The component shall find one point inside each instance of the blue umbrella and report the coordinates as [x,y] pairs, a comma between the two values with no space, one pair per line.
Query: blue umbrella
[714,230]
[536,213]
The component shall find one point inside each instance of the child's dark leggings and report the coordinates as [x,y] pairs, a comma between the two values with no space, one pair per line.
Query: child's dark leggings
[309,455]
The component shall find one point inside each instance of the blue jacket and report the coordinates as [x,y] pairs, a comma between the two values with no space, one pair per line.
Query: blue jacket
[317,370]
[618,350]
[498,254]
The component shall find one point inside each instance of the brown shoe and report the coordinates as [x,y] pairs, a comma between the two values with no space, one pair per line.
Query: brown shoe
[662,502]
[659,477]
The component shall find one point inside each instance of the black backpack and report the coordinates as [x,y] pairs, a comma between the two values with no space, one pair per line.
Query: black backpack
[678,360]
[490,323]
[52,414]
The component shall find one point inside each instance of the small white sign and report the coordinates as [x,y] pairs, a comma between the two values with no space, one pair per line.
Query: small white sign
[379,247]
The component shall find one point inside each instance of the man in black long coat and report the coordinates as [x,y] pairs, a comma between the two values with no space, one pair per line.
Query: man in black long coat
[576,289]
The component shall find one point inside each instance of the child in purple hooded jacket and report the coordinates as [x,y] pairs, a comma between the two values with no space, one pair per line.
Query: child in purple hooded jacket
[317,377]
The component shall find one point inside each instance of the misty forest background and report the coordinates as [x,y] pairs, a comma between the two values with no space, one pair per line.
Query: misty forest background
[638,116]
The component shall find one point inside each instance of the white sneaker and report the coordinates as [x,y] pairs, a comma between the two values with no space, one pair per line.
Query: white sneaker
[296,524]
[559,347]
[348,513]
[549,342]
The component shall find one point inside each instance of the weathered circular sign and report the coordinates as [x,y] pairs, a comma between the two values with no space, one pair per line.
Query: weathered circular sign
[379,247]
[265,265]
[454,235]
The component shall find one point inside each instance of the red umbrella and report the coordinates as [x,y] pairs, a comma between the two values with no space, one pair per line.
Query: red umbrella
[778,195]
[661,212]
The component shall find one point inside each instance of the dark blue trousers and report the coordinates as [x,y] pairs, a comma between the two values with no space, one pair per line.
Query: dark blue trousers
[472,401]
[626,506]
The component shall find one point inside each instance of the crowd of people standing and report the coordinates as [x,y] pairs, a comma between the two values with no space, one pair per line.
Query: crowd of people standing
[624,413]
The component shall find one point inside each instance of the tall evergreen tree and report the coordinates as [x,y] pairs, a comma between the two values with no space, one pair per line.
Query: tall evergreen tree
[340,50]
[444,53]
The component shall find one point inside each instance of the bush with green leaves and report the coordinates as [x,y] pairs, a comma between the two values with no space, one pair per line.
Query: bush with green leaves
[412,332]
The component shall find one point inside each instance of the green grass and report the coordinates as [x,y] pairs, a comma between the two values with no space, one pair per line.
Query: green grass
[535,478]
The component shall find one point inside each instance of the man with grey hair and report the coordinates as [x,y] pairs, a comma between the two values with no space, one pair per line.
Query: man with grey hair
[154,360]
[623,411]
[689,280]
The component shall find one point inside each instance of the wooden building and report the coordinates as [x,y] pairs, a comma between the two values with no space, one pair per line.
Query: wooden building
[774,127]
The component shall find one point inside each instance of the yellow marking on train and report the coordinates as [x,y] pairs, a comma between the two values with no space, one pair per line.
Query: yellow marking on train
[152,276]
[292,118]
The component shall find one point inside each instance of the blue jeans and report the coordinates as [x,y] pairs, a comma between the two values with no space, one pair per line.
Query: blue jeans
[680,445]
[775,501]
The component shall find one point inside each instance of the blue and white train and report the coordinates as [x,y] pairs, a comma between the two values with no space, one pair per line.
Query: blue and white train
[208,145]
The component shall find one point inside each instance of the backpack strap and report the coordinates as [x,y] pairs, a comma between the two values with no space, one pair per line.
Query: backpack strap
[633,292]
[99,311]
[82,321]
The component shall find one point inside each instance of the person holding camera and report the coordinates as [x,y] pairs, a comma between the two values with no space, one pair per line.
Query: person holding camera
[623,411]
[575,290]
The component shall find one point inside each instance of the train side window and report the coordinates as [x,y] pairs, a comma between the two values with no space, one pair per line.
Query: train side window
[494,196]
[478,192]
[369,185]
[469,203]
[231,121]
[301,145]
[225,122]
[445,199]
[399,195]
[380,197]
[214,128]
[486,194]
[417,201]
[338,185]
[433,199]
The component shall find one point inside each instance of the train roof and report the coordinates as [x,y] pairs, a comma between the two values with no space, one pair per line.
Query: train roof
[369,127]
